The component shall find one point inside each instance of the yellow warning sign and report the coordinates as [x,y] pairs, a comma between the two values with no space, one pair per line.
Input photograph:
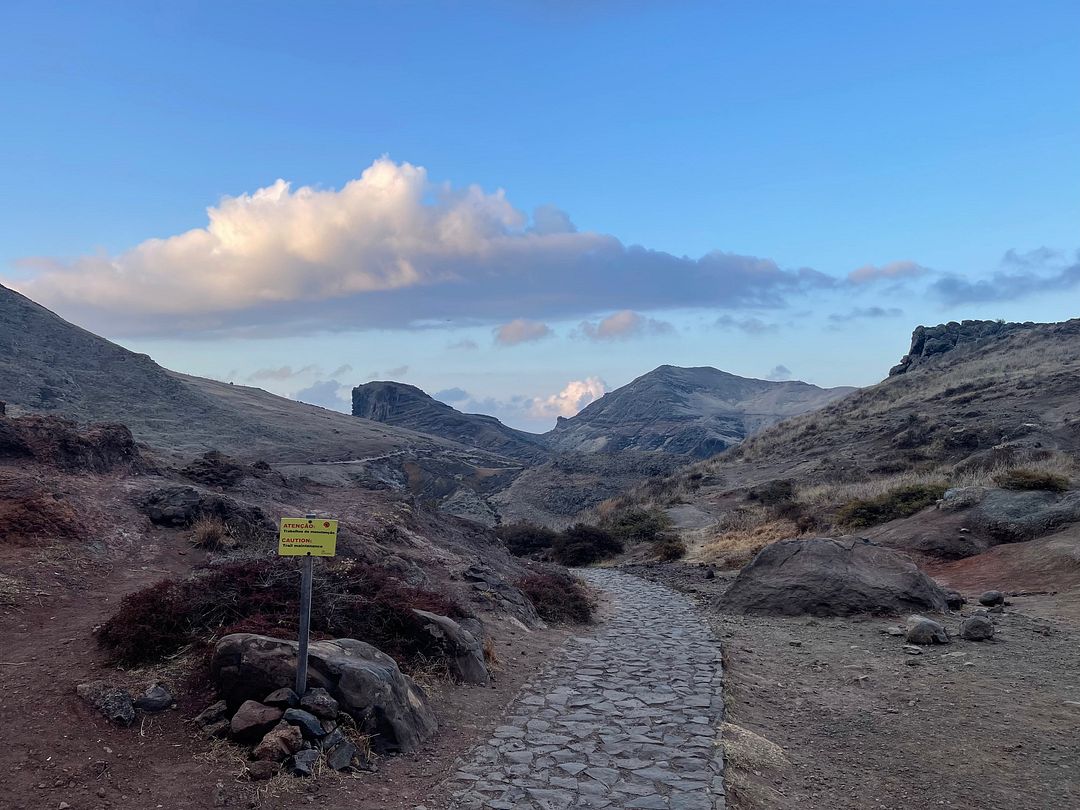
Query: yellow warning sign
[302,536]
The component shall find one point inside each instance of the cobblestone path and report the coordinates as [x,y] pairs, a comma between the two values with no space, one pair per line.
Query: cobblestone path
[626,718]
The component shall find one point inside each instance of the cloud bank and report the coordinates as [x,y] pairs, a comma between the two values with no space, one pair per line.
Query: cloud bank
[624,325]
[521,330]
[390,249]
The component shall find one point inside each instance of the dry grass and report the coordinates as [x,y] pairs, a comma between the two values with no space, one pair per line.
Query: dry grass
[735,547]
[209,533]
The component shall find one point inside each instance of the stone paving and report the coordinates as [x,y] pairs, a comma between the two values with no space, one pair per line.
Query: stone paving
[628,717]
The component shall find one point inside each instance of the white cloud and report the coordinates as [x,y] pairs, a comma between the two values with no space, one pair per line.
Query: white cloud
[750,325]
[521,330]
[575,396]
[623,325]
[892,271]
[282,373]
[779,373]
[387,250]
[326,394]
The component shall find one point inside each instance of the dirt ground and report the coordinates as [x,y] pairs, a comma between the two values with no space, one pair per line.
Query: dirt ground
[60,753]
[839,716]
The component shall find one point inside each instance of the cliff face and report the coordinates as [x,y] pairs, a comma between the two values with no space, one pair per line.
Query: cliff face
[930,341]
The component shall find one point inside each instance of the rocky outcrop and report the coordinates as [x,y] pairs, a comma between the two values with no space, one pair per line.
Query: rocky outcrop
[406,406]
[65,445]
[1010,516]
[832,577]
[114,702]
[930,341]
[180,507]
[214,469]
[464,651]
[365,682]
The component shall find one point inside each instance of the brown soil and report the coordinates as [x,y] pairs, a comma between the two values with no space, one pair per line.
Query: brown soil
[59,750]
[861,724]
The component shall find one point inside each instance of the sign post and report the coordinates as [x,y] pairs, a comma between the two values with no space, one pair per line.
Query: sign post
[306,537]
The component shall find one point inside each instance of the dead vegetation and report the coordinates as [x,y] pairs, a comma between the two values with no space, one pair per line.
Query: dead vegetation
[351,600]
[558,597]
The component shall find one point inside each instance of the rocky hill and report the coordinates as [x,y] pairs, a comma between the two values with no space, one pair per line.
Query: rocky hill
[691,412]
[406,406]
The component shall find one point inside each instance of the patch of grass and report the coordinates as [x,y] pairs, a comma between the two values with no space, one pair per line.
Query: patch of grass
[773,493]
[1025,478]
[209,533]
[350,600]
[638,525]
[558,597]
[735,546]
[523,539]
[582,544]
[669,548]
[897,503]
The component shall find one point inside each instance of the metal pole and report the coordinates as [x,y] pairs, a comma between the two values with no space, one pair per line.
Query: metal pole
[305,625]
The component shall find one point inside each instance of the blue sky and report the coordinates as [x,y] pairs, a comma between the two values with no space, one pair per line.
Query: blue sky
[558,196]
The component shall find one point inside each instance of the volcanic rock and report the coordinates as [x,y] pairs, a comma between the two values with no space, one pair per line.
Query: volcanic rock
[831,577]
[977,628]
[921,630]
[113,702]
[465,653]
[252,720]
[365,682]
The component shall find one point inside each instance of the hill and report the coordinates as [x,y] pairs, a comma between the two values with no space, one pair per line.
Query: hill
[978,419]
[406,406]
[692,412]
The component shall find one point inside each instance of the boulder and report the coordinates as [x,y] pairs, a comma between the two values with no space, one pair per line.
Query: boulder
[366,683]
[252,720]
[181,506]
[976,628]
[156,698]
[464,652]
[921,630]
[113,702]
[1010,516]
[992,598]
[319,703]
[832,577]
[279,743]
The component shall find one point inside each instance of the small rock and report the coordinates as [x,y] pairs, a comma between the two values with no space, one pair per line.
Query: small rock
[991,598]
[976,628]
[64,806]
[212,714]
[341,756]
[319,703]
[112,701]
[283,698]
[252,720]
[895,630]
[216,731]
[331,739]
[303,762]
[280,743]
[710,574]
[309,724]
[998,609]
[156,698]
[911,649]
[261,770]
[921,630]
[954,599]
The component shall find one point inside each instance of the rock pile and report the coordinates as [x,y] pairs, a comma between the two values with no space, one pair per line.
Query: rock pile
[350,678]
[929,341]
[287,732]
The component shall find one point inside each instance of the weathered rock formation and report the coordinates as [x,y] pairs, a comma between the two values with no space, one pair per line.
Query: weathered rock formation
[930,341]
[365,682]
[832,577]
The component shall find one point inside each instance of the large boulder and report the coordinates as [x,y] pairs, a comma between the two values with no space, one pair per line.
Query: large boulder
[464,652]
[365,682]
[824,576]
[1010,516]
[182,506]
